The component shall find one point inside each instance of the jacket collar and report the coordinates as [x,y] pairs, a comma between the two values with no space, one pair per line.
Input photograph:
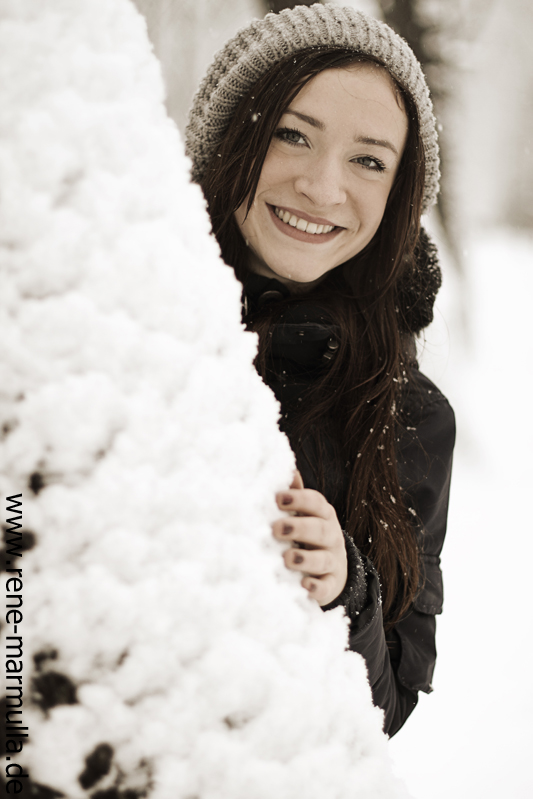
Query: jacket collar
[416,291]
[304,337]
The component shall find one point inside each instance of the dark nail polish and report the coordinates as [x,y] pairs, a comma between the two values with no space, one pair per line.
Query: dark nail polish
[287,529]
[286,499]
[298,559]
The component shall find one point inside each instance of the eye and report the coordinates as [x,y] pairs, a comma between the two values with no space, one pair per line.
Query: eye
[291,136]
[374,164]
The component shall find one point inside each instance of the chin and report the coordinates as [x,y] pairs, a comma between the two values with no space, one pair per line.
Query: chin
[304,275]
[296,276]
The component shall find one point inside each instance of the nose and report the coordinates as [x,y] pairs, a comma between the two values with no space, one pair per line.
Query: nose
[322,182]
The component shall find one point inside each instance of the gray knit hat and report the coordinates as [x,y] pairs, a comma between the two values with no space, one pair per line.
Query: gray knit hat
[257,47]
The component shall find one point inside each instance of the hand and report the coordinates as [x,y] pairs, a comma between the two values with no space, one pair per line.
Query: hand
[318,549]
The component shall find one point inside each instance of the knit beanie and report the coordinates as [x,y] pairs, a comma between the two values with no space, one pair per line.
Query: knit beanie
[257,47]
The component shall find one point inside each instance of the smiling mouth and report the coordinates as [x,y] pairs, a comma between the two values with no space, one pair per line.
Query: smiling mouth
[302,224]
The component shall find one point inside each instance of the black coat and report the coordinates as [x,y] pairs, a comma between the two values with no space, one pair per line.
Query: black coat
[400,662]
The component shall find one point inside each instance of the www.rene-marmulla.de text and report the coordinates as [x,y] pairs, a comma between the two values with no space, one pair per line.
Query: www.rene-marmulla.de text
[15,732]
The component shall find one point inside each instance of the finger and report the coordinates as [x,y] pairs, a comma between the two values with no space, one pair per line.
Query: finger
[320,588]
[312,561]
[297,481]
[310,530]
[306,501]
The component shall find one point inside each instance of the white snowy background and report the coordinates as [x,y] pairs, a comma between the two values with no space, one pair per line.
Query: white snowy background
[471,737]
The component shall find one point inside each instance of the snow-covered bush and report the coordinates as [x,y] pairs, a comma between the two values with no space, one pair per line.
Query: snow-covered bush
[167,652]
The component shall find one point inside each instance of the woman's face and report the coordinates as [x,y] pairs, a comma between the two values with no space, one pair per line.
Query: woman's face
[326,177]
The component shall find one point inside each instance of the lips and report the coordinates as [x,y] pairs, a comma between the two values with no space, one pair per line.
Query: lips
[329,231]
[297,221]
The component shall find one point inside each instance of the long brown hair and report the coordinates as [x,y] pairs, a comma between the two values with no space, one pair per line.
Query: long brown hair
[353,403]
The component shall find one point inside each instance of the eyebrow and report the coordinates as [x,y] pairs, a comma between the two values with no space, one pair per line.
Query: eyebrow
[377,142]
[315,123]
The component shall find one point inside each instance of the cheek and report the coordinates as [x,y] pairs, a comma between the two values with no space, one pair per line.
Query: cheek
[239,217]
[373,206]
[275,171]
[244,221]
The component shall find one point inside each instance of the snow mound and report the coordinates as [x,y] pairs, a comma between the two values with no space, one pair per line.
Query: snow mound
[167,652]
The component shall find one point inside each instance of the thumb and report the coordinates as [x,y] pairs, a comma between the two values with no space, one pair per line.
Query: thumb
[297,481]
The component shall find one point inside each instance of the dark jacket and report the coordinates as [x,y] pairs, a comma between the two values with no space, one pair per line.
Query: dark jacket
[400,663]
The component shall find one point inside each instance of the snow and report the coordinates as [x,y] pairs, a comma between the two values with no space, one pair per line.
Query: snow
[155,590]
[470,737]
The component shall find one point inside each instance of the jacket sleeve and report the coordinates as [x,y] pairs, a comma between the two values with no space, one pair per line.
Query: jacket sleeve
[401,662]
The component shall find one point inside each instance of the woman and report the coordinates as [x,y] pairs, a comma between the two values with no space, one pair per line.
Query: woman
[314,141]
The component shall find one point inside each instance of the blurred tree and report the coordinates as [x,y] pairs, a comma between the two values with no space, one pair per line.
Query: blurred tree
[441,33]
[185,35]
[428,32]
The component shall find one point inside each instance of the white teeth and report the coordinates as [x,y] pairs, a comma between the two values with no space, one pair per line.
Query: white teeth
[302,224]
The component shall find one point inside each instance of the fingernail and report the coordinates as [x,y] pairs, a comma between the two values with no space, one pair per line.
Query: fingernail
[286,499]
[312,587]
[287,529]
[298,559]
